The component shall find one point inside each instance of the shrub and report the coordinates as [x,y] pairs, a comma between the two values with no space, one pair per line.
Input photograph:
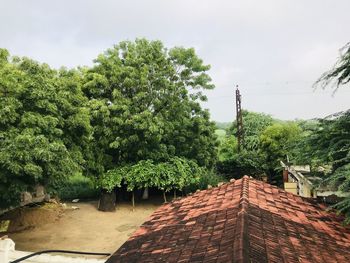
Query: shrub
[77,186]
[208,177]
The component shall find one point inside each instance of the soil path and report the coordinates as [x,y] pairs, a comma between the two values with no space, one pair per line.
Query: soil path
[85,229]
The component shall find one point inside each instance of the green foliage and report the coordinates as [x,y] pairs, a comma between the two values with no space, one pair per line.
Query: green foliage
[76,186]
[278,141]
[340,74]
[188,172]
[142,107]
[330,143]
[221,134]
[228,148]
[176,173]
[207,177]
[266,142]
[43,125]
[139,102]
[343,207]
[251,159]
[321,143]
[243,163]
[340,178]
[254,124]
[112,178]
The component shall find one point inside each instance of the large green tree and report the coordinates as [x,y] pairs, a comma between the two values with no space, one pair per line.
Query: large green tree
[277,141]
[254,124]
[329,145]
[250,160]
[43,125]
[145,105]
[144,102]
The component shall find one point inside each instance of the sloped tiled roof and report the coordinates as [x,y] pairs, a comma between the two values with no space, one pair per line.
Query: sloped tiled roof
[242,221]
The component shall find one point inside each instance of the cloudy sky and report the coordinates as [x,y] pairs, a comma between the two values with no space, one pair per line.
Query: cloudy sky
[273,49]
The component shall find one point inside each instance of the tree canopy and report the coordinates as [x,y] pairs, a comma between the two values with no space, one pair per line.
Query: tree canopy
[138,106]
[250,160]
[329,145]
[254,124]
[43,125]
[144,102]
[267,141]
[176,173]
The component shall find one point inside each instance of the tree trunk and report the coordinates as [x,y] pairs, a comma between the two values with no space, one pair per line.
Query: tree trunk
[145,194]
[107,201]
[133,200]
[164,196]
[174,193]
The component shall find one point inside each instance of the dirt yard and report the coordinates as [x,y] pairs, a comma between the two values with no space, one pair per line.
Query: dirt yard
[84,229]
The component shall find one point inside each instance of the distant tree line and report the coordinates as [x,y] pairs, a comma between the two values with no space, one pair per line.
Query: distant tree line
[266,142]
[323,142]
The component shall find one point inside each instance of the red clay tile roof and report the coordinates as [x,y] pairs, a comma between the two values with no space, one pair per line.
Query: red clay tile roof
[241,221]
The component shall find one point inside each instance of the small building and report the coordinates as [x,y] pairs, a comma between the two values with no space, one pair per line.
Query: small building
[298,180]
[244,220]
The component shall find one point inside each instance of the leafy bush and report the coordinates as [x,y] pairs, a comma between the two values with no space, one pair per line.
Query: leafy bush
[176,173]
[76,186]
[210,178]
[207,178]
[112,178]
[234,164]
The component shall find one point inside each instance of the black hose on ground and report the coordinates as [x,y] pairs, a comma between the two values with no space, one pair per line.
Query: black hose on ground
[59,251]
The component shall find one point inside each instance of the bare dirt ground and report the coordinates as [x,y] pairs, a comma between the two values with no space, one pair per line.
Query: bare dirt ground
[85,229]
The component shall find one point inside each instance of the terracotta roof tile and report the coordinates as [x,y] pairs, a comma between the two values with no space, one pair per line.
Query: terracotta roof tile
[241,221]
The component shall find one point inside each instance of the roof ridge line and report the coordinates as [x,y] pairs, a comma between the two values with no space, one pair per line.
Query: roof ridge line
[244,200]
[241,241]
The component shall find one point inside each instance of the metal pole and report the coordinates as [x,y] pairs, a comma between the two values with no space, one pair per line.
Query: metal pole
[239,120]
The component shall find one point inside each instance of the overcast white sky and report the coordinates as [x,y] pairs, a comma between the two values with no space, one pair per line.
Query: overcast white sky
[274,49]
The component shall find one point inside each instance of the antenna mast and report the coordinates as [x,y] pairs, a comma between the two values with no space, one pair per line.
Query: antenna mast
[239,120]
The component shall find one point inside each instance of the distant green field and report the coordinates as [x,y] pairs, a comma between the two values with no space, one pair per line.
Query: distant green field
[220,133]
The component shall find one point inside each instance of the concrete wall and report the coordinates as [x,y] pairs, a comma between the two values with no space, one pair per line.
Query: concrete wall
[8,254]
[37,196]
[291,188]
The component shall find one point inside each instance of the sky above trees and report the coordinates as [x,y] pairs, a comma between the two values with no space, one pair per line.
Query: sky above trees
[275,50]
